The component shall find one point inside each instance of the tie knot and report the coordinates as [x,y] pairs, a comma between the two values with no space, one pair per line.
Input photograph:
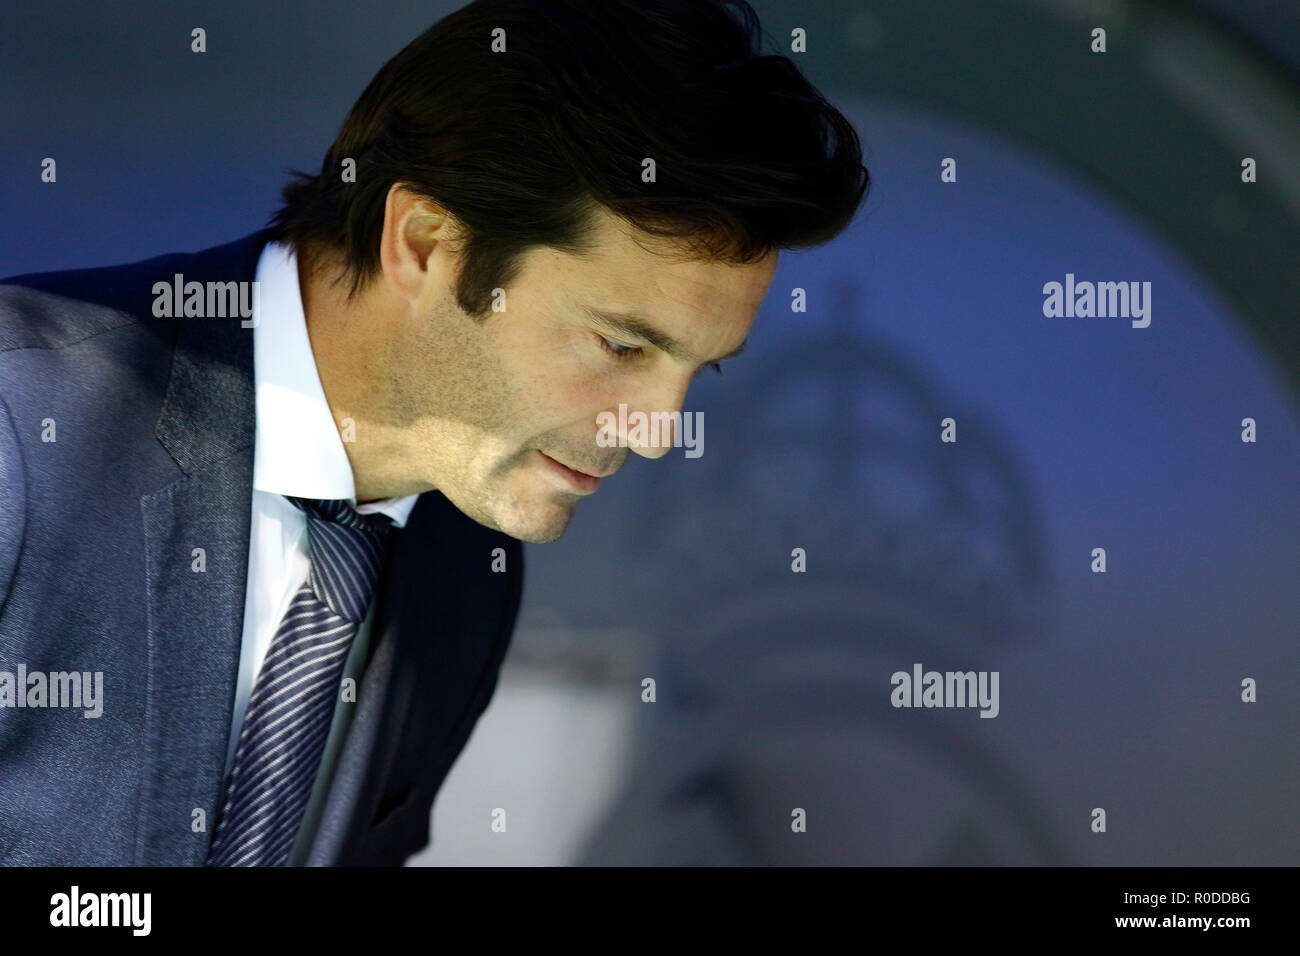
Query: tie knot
[341,512]
[346,553]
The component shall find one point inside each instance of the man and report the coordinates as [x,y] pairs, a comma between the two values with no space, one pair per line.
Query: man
[278,548]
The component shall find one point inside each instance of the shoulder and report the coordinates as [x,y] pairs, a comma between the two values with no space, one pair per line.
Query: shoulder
[51,310]
[33,318]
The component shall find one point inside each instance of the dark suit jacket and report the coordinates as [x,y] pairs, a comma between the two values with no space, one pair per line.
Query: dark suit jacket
[153,457]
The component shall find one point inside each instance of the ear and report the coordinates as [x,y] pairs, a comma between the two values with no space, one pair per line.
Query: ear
[413,227]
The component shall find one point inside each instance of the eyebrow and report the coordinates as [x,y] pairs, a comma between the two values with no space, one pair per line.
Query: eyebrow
[640,328]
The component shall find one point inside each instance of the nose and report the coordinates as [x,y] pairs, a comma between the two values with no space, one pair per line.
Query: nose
[651,420]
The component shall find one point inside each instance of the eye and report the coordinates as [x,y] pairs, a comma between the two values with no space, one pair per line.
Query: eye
[618,350]
[627,352]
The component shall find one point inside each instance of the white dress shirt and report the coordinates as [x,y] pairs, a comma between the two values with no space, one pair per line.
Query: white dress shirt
[298,451]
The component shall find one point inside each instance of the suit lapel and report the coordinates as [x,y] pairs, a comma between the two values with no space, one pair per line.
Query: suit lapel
[196,599]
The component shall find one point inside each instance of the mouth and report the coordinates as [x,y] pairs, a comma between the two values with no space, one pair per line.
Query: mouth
[579,481]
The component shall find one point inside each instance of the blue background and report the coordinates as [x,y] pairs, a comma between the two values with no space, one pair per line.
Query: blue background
[1118,690]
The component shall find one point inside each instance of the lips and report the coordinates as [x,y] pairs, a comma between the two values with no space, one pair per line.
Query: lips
[590,472]
[574,480]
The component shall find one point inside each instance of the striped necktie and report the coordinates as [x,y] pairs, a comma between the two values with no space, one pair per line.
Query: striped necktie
[292,705]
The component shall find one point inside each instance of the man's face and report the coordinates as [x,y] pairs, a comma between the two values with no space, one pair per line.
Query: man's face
[509,405]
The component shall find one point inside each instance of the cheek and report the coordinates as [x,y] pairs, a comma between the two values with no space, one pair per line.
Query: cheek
[572,394]
[568,377]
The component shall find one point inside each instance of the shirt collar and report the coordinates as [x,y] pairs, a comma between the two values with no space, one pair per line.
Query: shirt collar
[298,450]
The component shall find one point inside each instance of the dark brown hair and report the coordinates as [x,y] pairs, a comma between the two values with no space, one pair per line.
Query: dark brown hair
[521,146]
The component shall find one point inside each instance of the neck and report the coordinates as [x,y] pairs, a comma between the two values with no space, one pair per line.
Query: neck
[350,346]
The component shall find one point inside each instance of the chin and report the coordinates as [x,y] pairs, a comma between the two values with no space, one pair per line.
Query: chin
[524,529]
[536,522]
[544,523]
[536,535]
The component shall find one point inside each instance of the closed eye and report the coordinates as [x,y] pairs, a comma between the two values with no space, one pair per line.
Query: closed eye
[627,352]
[618,350]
